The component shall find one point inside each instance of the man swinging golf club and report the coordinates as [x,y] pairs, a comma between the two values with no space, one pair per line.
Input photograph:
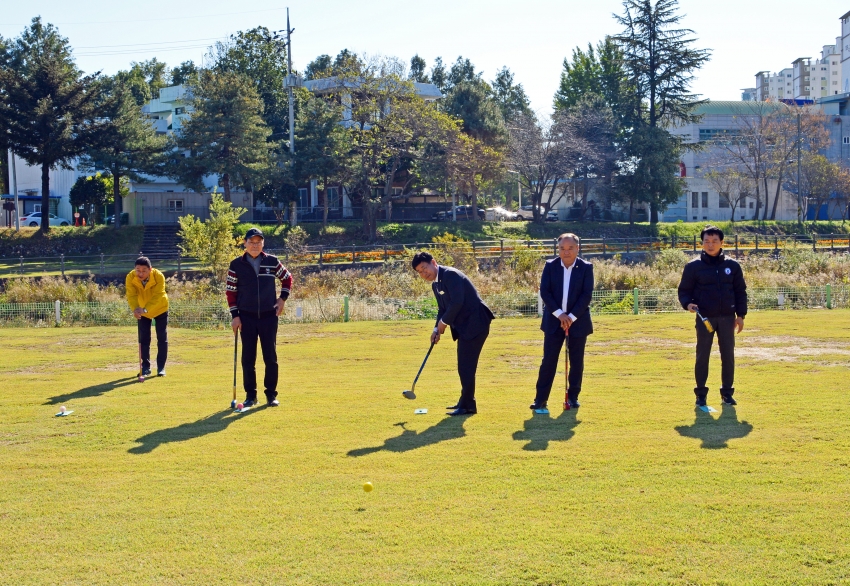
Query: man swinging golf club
[459,307]
[255,306]
[713,287]
[145,289]
[566,287]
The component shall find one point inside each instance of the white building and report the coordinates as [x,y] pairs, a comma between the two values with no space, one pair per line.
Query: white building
[774,86]
[28,180]
[748,94]
[701,201]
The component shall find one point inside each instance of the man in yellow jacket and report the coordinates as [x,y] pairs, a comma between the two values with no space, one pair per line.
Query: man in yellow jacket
[147,298]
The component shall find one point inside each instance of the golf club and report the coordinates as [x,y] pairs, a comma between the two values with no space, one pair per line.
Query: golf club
[141,372]
[235,350]
[410,394]
[706,323]
[567,375]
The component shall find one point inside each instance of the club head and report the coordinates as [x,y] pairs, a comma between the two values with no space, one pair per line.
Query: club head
[409,394]
[141,378]
[233,404]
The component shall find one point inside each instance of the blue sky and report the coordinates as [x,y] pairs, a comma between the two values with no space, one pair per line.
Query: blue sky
[531,37]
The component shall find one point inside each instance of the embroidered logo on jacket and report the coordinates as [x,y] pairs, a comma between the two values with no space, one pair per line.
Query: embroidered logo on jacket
[728,271]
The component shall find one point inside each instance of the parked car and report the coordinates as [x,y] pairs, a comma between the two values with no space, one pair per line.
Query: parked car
[527,212]
[500,214]
[34,219]
[125,219]
[463,213]
[552,216]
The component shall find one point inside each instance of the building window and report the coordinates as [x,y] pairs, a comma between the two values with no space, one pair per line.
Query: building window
[751,205]
[847,140]
[694,200]
[333,197]
[175,206]
[705,199]
[179,110]
[723,202]
[303,197]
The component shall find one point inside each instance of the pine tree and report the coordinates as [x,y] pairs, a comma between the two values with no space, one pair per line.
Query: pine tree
[226,134]
[49,107]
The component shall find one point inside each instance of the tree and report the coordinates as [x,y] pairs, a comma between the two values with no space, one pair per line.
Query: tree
[600,72]
[439,75]
[260,56]
[660,62]
[544,154]
[185,74]
[318,68]
[145,79]
[226,134]
[48,106]
[417,70]
[593,125]
[125,144]
[90,193]
[732,185]
[510,97]
[321,144]
[481,115]
[212,241]
[391,135]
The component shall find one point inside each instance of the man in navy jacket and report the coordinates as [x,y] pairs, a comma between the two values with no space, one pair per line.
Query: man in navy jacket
[566,288]
[461,308]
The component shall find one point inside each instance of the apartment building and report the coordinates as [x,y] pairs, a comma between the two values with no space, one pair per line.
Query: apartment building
[774,86]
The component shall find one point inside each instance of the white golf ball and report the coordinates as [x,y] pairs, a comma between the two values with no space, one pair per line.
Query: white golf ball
[62,409]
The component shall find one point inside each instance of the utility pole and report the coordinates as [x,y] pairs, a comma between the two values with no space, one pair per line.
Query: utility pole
[14,178]
[292,81]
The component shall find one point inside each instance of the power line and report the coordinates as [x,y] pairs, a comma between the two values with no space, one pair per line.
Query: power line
[151,19]
[143,44]
[133,52]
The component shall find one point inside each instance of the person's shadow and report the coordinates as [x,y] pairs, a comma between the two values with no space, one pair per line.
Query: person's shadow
[715,433]
[211,424]
[447,429]
[92,391]
[542,429]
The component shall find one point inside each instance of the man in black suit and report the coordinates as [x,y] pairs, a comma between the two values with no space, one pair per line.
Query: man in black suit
[566,288]
[459,307]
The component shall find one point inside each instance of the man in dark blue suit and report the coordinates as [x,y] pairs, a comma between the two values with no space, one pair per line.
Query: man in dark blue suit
[566,288]
[460,307]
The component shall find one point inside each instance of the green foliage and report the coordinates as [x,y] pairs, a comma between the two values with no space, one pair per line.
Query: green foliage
[510,97]
[50,289]
[91,193]
[669,260]
[144,80]
[226,134]
[454,252]
[417,70]
[212,241]
[185,73]
[48,107]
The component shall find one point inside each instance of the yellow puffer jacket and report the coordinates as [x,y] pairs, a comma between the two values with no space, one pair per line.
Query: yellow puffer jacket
[151,296]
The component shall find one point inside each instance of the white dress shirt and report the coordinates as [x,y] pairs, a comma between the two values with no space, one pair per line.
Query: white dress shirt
[437,280]
[568,272]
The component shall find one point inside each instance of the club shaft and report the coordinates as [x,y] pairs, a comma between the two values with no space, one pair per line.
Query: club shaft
[421,367]
[235,354]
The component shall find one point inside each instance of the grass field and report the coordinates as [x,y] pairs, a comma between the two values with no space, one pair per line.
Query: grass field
[159,483]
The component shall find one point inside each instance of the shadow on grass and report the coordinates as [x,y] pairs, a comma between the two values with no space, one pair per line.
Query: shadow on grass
[92,391]
[715,433]
[542,429]
[447,429]
[212,424]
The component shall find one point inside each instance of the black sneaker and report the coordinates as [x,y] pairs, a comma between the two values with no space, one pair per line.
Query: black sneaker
[573,403]
[248,403]
[146,372]
[728,400]
[701,402]
[160,372]
[536,405]
[272,402]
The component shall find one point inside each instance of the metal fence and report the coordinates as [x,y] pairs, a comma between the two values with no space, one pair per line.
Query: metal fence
[344,309]
[481,249]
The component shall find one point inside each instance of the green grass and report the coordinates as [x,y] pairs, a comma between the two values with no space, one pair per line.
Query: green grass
[158,483]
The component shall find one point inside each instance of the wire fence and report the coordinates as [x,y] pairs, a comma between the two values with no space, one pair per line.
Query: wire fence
[504,248]
[345,309]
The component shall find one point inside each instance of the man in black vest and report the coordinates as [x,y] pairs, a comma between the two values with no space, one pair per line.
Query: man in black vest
[459,307]
[714,286]
[566,288]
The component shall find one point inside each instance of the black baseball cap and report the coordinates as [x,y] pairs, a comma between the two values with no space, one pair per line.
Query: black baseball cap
[254,232]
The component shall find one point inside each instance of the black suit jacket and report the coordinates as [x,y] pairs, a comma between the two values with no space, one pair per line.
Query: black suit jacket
[459,305]
[578,299]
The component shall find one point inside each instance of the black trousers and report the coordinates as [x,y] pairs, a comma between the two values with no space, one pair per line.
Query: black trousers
[724,327]
[468,352]
[263,328]
[552,344]
[144,328]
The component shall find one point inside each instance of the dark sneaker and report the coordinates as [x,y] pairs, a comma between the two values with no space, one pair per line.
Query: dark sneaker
[536,405]
[160,372]
[574,404]
[728,400]
[701,402]
[248,403]
[146,372]
[272,402]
